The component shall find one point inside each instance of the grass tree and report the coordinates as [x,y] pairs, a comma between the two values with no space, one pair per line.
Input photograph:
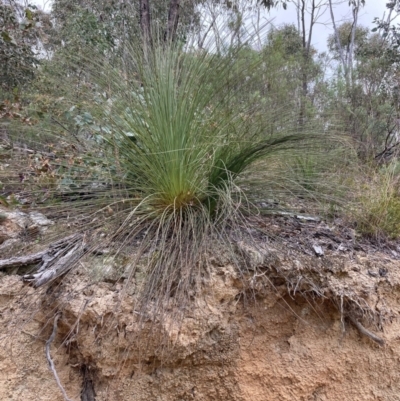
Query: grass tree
[161,158]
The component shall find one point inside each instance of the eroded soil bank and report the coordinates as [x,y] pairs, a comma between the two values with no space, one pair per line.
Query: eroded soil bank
[294,342]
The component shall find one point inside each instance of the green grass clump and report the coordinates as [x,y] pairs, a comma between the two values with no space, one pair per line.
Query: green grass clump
[183,135]
[378,215]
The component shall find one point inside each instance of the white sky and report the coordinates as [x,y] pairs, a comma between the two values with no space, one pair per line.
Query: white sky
[42,4]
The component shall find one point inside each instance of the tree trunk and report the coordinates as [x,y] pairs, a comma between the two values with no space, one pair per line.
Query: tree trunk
[173,18]
[353,35]
[339,45]
[306,43]
[303,67]
[145,22]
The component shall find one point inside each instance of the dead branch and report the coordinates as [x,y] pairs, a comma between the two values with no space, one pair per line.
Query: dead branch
[60,258]
[22,260]
[50,361]
[53,262]
[365,332]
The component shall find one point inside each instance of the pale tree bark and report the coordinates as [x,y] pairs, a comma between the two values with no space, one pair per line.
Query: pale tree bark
[337,36]
[347,62]
[306,44]
[353,35]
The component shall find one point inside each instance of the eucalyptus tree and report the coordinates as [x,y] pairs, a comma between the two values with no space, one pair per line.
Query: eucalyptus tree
[122,21]
[309,13]
[347,62]
[390,31]
[284,66]
[347,44]
[368,106]
[20,30]
[378,74]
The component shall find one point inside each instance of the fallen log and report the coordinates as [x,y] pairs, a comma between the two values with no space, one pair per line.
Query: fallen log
[56,260]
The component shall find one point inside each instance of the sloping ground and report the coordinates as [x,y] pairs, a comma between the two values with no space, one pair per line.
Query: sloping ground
[297,341]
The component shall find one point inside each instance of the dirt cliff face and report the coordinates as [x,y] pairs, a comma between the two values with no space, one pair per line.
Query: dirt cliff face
[291,338]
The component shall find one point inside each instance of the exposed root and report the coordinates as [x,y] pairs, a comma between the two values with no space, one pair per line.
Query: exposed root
[50,361]
[88,393]
[365,332]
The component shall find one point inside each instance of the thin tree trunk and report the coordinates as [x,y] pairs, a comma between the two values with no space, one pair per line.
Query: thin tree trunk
[303,23]
[306,43]
[311,27]
[298,15]
[203,38]
[145,23]
[303,67]
[339,45]
[173,18]
[214,25]
[353,35]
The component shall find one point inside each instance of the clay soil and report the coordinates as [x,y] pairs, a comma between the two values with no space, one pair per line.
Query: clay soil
[289,333]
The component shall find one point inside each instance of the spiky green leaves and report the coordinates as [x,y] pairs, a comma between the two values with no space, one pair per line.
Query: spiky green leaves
[181,130]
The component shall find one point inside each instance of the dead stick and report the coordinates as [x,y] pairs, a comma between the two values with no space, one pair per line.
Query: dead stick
[22,260]
[366,332]
[36,257]
[51,363]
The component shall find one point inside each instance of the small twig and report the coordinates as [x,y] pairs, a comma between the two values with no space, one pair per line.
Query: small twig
[66,129]
[50,361]
[366,332]
[29,334]
[31,151]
